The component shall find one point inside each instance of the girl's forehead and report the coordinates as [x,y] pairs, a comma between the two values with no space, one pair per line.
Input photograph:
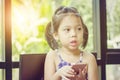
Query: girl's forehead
[71,20]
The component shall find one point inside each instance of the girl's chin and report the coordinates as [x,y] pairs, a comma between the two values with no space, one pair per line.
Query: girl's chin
[73,48]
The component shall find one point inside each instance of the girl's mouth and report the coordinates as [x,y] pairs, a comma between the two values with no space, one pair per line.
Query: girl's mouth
[73,43]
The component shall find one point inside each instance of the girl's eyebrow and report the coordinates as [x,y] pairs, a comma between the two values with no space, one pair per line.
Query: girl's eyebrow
[67,26]
[79,25]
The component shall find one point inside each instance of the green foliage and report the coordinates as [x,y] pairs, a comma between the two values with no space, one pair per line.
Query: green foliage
[113,25]
[33,16]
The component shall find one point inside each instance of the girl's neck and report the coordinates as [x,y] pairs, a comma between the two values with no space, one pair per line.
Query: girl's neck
[70,52]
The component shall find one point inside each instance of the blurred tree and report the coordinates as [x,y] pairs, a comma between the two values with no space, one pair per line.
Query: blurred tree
[30,17]
[113,25]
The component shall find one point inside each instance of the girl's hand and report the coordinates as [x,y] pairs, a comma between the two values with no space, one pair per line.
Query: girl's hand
[66,72]
[82,74]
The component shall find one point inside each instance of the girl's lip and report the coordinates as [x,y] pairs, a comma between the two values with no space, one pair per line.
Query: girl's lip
[73,43]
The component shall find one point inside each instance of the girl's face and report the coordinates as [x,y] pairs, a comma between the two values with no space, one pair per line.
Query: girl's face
[70,32]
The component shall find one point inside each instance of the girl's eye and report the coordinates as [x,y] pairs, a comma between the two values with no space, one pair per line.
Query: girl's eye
[79,28]
[67,30]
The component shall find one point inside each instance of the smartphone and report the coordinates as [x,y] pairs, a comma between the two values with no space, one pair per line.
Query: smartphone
[76,67]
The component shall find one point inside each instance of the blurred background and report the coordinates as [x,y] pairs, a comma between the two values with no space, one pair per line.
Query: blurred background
[30,17]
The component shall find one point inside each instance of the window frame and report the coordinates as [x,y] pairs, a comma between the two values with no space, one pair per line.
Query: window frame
[108,56]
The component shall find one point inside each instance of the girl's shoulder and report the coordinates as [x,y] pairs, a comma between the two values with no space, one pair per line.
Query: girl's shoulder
[88,56]
[51,54]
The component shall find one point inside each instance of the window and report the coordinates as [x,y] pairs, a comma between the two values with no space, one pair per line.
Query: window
[113,39]
[1,32]
[2,58]
[22,25]
[2,77]
[113,25]
[113,72]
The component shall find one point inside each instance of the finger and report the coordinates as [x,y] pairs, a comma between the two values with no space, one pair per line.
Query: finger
[71,71]
[84,71]
[80,76]
[65,78]
[80,72]
[86,67]
[69,75]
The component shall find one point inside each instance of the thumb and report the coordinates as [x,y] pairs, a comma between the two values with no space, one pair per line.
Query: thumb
[80,72]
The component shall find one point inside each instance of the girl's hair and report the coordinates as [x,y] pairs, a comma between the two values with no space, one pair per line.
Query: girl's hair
[53,26]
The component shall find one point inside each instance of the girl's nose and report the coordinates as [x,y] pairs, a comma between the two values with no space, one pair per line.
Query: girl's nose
[73,33]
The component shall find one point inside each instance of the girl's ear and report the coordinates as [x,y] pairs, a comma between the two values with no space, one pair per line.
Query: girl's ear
[55,35]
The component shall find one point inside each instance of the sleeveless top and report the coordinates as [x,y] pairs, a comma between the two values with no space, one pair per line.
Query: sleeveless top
[65,63]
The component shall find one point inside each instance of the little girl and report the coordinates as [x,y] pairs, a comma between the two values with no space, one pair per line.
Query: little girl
[67,35]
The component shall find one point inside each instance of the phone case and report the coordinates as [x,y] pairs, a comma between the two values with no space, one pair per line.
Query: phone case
[76,67]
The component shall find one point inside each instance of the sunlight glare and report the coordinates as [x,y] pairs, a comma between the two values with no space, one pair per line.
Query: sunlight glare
[26,19]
